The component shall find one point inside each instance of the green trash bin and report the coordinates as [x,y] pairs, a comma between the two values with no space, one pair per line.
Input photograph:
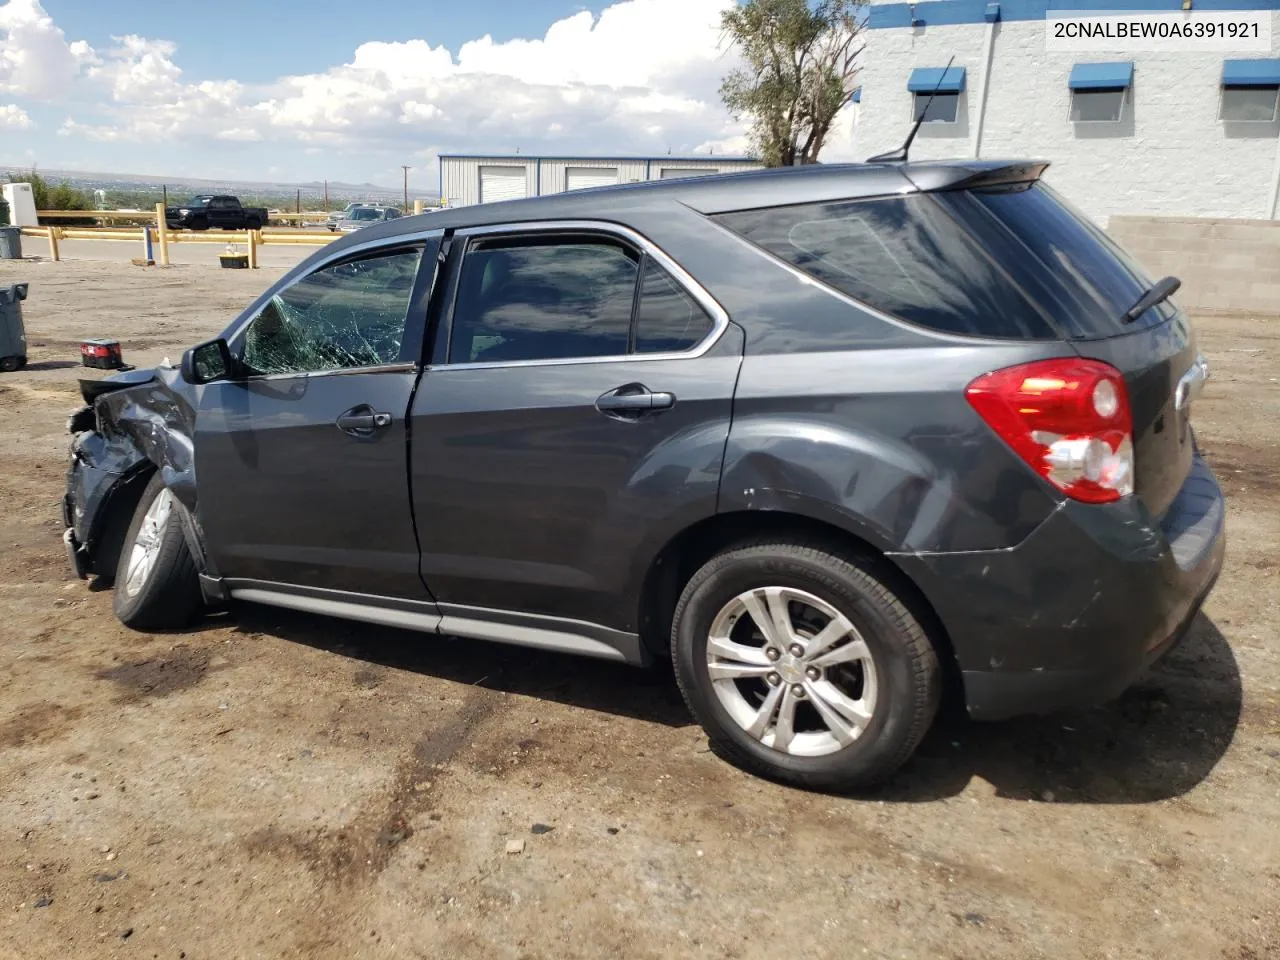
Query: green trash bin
[10,243]
[13,337]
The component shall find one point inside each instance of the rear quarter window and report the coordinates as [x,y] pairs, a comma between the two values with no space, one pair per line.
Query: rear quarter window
[1092,282]
[904,256]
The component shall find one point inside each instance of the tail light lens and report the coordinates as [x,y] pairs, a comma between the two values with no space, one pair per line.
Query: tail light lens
[1069,419]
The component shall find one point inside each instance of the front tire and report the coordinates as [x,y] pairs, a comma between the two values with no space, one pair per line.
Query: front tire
[157,586]
[803,666]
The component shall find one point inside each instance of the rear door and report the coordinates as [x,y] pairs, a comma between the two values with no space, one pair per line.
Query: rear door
[575,412]
[1088,283]
[223,213]
[303,461]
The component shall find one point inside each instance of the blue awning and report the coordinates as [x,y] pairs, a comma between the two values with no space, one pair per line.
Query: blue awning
[1251,73]
[929,79]
[1101,76]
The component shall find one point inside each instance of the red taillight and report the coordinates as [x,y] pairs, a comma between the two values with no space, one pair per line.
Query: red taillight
[1069,419]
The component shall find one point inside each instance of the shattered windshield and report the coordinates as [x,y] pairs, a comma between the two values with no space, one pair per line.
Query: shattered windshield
[347,315]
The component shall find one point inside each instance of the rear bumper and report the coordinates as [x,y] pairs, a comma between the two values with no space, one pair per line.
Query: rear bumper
[1074,614]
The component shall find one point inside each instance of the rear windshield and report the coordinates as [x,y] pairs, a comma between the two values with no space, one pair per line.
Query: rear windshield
[905,256]
[1091,283]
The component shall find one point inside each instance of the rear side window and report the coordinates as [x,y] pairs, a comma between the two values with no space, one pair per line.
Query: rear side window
[519,300]
[668,320]
[1092,282]
[904,256]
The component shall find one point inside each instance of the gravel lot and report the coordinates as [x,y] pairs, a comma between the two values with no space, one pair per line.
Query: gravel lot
[278,785]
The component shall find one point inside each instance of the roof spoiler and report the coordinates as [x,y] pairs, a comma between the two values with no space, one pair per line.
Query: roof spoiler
[926,176]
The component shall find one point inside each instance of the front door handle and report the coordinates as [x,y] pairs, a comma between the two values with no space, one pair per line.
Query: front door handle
[362,421]
[633,400]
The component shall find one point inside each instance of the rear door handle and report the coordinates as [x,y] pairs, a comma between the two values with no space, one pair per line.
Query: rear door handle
[633,400]
[362,421]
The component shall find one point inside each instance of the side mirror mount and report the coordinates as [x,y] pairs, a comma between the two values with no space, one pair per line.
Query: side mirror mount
[207,362]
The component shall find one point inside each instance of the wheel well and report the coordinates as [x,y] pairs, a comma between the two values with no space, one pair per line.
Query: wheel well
[114,518]
[690,549]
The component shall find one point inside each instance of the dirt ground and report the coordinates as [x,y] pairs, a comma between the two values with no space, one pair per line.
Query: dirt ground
[278,785]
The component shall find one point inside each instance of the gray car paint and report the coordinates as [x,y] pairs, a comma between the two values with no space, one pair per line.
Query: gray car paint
[538,513]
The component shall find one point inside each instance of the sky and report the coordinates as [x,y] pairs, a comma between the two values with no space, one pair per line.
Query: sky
[301,90]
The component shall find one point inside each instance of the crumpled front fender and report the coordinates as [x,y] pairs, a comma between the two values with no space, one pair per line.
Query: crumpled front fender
[141,423]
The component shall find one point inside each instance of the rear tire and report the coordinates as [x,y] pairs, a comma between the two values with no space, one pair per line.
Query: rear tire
[157,586]
[838,690]
[10,364]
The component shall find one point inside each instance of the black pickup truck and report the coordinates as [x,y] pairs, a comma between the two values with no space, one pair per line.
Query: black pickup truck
[226,213]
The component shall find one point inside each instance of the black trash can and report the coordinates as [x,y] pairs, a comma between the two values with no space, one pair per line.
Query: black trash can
[10,243]
[13,337]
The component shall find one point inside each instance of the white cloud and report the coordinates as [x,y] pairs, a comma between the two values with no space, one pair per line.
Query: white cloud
[14,117]
[36,60]
[641,77]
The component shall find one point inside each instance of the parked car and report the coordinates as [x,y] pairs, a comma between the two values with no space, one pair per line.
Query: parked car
[338,216]
[219,212]
[365,216]
[823,436]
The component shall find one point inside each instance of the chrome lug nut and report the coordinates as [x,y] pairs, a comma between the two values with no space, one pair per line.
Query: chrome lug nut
[813,673]
[772,653]
[797,691]
[797,650]
[774,679]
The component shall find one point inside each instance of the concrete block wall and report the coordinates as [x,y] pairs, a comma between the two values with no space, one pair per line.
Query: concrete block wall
[1169,155]
[1225,265]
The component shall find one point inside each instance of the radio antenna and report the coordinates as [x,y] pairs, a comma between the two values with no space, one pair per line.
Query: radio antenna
[900,155]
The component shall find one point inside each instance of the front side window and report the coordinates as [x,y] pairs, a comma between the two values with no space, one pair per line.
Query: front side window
[1249,104]
[1097,106]
[943,109]
[543,299]
[347,315]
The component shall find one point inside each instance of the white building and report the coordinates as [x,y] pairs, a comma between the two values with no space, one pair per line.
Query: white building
[480,178]
[1170,133]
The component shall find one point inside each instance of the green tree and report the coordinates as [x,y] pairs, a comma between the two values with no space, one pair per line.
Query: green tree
[800,69]
[59,196]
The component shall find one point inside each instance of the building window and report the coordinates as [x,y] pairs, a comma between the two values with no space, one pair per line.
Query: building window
[944,85]
[1099,91]
[941,109]
[1249,104]
[1250,91]
[1097,106]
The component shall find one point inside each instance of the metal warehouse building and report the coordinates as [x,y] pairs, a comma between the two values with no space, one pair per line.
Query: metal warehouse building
[1128,129]
[479,178]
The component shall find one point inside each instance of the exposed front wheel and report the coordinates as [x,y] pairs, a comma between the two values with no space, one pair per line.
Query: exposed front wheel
[156,584]
[10,364]
[803,667]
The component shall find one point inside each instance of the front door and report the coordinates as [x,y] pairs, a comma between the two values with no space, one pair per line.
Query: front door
[302,463]
[555,438]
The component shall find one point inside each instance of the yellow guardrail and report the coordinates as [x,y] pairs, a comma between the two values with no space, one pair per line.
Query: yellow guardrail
[161,237]
[110,215]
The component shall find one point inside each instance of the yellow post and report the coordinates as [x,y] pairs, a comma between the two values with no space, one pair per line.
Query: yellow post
[162,232]
[253,249]
[417,206]
[53,244]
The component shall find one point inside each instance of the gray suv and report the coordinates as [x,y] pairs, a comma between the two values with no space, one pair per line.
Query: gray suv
[821,436]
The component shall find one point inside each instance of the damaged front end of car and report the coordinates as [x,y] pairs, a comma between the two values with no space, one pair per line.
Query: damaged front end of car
[132,425]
